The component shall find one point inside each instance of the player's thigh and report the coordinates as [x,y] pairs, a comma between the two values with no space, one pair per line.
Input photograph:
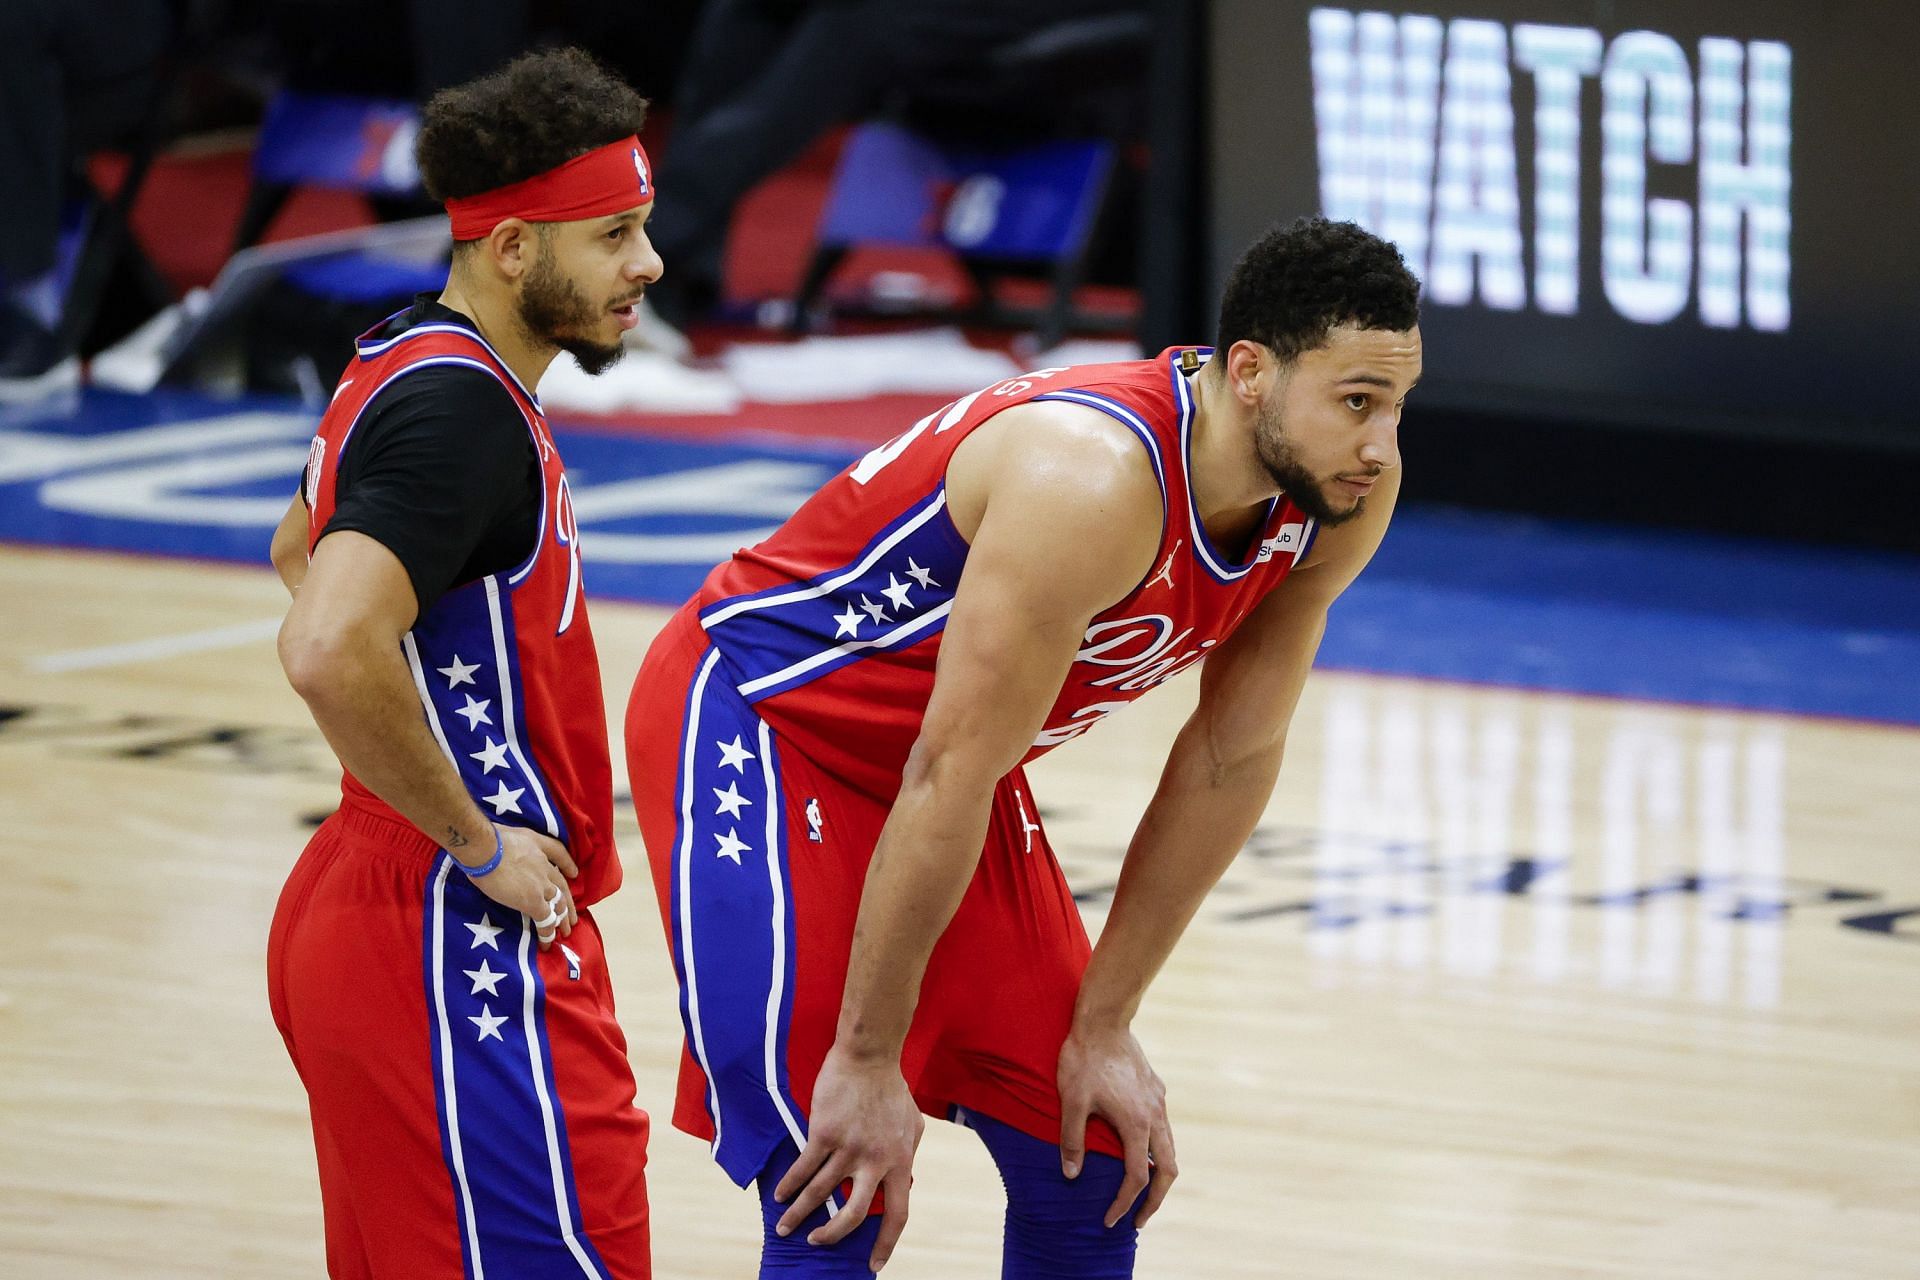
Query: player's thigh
[760,865]
[1004,977]
[352,1000]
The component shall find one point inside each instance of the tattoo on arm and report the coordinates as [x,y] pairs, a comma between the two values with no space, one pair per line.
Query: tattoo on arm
[454,839]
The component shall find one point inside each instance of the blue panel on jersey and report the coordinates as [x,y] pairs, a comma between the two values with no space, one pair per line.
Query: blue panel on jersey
[894,594]
[1451,595]
[466,664]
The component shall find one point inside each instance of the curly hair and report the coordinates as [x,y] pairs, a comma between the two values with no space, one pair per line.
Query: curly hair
[1296,283]
[534,114]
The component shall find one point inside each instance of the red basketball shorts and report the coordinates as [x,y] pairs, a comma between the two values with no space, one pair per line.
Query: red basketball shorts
[473,1110]
[758,860]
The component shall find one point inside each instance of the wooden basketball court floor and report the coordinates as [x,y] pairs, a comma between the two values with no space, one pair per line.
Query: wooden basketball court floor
[1506,985]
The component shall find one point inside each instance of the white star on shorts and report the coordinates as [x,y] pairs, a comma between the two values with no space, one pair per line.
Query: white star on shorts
[731,801]
[489,1023]
[735,756]
[732,846]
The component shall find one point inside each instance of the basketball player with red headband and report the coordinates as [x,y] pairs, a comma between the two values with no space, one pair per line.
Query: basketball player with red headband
[433,966]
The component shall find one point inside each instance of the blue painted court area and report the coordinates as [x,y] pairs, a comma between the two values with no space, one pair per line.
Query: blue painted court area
[1452,595]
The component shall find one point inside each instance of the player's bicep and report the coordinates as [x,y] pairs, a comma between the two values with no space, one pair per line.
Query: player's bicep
[356,593]
[1059,541]
[288,549]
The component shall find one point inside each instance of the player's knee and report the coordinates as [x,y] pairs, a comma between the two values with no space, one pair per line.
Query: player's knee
[791,1255]
[1056,1226]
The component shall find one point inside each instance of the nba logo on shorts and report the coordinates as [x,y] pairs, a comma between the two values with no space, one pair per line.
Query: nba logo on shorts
[814,821]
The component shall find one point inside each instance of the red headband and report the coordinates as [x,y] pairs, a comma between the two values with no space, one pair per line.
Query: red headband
[609,179]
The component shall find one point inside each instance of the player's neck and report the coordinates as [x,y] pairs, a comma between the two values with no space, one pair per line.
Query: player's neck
[1223,466]
[493,313]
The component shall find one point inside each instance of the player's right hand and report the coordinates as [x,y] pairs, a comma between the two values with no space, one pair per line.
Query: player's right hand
[865,1127]
[1104,1071]
[532,879]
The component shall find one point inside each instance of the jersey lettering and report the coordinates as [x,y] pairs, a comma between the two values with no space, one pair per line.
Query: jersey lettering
[566,532]
[1082,720]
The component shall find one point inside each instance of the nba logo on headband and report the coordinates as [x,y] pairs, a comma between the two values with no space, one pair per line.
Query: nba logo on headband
[640,167]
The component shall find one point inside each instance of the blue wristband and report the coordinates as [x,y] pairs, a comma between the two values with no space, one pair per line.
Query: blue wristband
[492,864]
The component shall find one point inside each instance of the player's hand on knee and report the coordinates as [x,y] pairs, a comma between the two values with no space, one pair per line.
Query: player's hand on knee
[864,1129]
[532,879]
[1106,1073]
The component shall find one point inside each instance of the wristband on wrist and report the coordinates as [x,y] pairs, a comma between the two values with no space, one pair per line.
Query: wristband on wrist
[491,864]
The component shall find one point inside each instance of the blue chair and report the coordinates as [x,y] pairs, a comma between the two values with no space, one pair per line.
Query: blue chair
[1029,200]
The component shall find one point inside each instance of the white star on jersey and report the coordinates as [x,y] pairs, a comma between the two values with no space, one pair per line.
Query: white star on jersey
[459,673]
[484,934]
[896,591]
[489,1023]
[849,622]
[484,979]
[476,711]
[878,612]
[922,576]
[506,799]
[731,801]
[492,756]
[734,755]
[732,846]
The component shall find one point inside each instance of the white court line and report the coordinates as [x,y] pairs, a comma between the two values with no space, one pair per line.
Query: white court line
[114,655]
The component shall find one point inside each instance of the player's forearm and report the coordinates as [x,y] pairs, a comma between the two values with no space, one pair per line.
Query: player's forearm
[363,700]
[1197,823]
[921,866]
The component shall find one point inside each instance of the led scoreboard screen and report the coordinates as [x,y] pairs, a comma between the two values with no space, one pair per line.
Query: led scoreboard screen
[1697,214]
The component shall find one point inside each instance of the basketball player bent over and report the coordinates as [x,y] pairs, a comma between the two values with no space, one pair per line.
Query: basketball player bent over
[827,742]
[433,967]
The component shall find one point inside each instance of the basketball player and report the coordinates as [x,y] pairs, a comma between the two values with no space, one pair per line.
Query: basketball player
[433,966]
[827,744]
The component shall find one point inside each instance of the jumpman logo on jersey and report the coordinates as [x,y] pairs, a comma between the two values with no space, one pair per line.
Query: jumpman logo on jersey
[1165,573]
[1026,824]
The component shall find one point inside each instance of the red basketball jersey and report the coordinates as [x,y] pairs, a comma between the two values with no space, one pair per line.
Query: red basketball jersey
[831,627]
[505,665]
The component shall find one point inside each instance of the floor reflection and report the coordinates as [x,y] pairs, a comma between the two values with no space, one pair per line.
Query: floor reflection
[1476,837]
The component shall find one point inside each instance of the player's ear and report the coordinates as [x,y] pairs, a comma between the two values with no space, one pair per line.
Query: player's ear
[509,248]
[1249,367]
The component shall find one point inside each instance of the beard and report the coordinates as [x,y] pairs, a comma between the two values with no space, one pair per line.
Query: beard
[556,312]
[1283,464]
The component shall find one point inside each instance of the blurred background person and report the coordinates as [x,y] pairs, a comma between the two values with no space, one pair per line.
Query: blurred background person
[73,78]
[763,79]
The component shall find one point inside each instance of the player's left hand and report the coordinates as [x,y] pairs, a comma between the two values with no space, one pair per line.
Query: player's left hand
[1105,1072]
[864,1130]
